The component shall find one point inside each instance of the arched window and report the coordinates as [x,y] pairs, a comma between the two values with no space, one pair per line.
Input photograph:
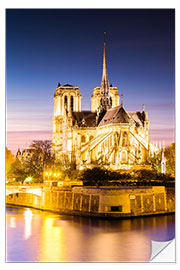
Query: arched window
[65,102]
[83,139]
[111,101]
[91,137]
[125,139]
[123,156]
[72,103]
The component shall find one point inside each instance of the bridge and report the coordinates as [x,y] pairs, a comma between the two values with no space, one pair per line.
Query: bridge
[36,190]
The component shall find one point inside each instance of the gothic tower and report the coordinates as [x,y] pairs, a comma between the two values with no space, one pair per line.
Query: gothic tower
[67,98]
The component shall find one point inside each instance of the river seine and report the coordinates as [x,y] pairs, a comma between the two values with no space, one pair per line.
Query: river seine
[40,236]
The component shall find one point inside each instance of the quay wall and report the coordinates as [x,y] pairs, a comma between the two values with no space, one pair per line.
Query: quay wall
[101,201]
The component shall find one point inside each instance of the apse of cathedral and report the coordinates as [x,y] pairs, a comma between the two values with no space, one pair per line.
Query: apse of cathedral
[108,134]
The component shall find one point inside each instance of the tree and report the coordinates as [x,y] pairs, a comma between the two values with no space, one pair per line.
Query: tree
[17,171]
[38,159]
[10,158]
[155,161]
[100,176]
[93,177]
[170,159]
[103,177]
[169,154]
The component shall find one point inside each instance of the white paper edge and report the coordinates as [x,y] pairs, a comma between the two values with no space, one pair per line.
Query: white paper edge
[163,252]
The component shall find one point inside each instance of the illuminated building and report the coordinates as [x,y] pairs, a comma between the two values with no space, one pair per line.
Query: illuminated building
[107,134]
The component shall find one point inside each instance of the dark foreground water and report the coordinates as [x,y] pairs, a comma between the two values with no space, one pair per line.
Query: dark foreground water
[37,236]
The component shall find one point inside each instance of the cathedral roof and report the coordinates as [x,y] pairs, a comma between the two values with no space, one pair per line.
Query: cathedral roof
[84,118]
[115,115]
[119,115]
[138,117]
[68,85]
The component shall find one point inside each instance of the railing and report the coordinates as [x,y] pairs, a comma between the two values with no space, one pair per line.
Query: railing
[24,185]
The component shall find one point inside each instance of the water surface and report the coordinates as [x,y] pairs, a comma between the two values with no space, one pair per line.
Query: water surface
[40,236]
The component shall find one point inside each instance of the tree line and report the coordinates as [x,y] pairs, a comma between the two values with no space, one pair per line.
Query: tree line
[39,158]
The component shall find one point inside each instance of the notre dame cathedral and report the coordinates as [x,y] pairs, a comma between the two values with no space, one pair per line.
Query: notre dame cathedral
[107,134]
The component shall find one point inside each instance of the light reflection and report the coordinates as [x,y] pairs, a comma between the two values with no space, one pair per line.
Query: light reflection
[130,247]
[52,241]
[12,222]
[59,238]
[28,220]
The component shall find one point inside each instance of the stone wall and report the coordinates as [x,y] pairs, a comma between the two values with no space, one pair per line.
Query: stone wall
[170,199]
[107,201]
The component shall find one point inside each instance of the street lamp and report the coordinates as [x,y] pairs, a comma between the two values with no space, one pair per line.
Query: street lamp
[28,179]
[48,174]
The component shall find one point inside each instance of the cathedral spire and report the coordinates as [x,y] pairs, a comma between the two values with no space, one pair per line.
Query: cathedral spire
[105,97]
[104,82]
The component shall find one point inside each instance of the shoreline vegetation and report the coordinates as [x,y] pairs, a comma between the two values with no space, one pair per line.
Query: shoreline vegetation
[98,176]
[102,177]
[39,160]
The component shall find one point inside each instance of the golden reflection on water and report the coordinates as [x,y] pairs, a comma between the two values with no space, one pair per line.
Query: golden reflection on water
[78,243]
[12,222]
[52,241]
[28,223]
[130,247]
[34,235]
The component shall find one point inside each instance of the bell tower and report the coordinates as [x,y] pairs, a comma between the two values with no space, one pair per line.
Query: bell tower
[67,99]
[66,96]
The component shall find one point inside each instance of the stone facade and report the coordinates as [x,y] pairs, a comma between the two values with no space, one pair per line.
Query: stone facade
[95,98]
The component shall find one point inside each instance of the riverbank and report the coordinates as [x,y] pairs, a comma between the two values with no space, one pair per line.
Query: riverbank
[110,202]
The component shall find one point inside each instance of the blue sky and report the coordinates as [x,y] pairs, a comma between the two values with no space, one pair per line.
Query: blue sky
[44,47]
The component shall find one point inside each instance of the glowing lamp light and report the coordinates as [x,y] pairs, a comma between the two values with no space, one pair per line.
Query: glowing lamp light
[61,183]
[50,173]
[28,179]
[46,173]
[54,174]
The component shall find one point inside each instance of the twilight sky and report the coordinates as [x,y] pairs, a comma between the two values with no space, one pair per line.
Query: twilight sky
[44,47]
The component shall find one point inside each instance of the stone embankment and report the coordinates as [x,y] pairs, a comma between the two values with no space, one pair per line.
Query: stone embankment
[100,202]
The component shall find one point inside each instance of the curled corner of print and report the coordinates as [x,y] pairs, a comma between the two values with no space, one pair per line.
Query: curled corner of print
[163,251]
